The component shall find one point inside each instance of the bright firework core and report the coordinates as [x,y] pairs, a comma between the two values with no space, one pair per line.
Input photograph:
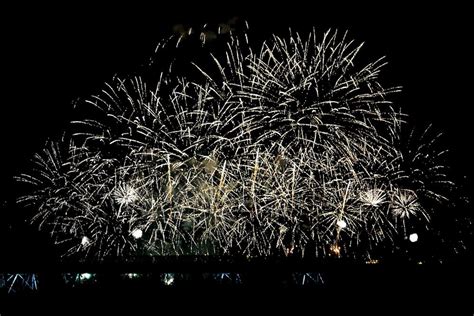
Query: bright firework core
[341,224]
[137,233]
[85,241]
[413,237]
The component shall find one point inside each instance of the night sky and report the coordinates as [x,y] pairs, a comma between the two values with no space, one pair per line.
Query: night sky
[51,58]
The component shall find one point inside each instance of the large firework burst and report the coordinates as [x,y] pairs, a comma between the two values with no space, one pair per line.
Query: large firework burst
[288,148]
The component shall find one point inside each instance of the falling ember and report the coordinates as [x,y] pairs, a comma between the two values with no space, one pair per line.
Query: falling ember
[373,197]
[413,237]
[405,204]
[137,233]
[125,194]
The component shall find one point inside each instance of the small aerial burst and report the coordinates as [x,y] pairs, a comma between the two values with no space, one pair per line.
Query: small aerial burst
[125,194]
[284,149]
[405,204]
[373,197]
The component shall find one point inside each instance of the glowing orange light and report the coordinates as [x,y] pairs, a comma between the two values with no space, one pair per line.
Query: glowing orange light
[335,249]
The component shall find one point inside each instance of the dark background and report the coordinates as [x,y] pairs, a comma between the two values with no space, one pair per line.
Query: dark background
[52,56]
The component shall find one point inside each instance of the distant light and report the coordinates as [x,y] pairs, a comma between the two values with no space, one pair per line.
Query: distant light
[133,275]
[85,276]
[168,279]
[85,241]
[341,224]
[413,237]
[137,233]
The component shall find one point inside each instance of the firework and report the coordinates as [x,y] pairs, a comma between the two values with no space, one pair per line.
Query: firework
[284,150]
[413,237]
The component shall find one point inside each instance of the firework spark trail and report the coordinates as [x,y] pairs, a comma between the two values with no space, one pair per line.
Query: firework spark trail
[289,149]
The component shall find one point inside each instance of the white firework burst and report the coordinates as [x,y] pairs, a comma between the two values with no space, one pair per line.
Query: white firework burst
[125,194]
[405,204]
[373,197]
